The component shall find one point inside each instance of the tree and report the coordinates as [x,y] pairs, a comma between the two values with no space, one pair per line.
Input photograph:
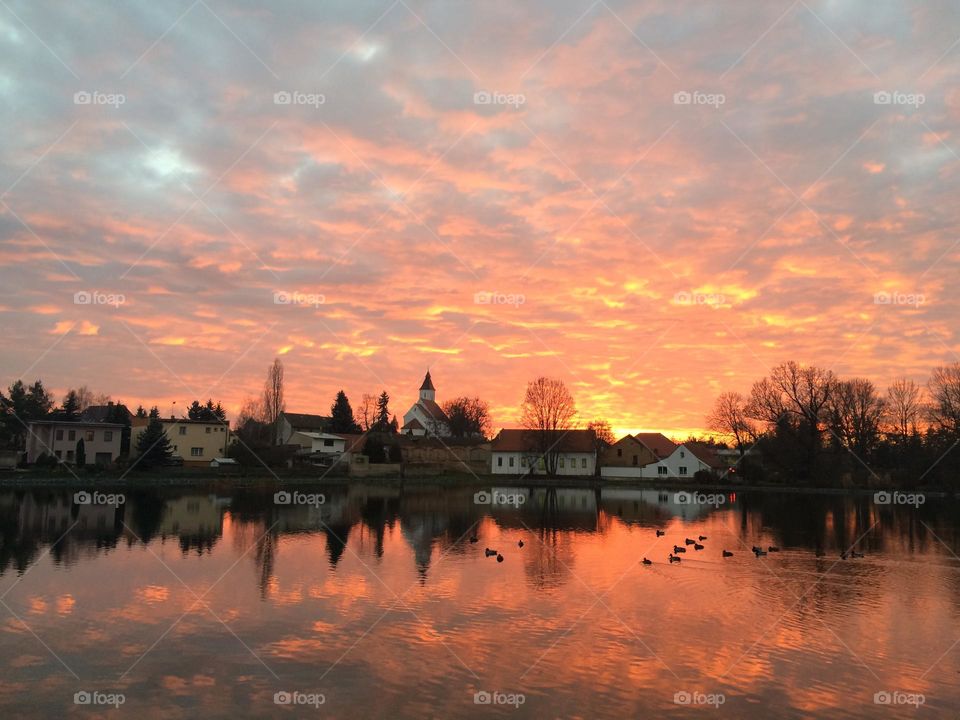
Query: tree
[548,412]
[208,412]
[153,445]
[602,438]
[904,406]
[118,413]
[84,398]
[856,410]
[341,415]
[140,413]
[81,454]
[381,422]
[468,417]
[273,402]
[70,409]
[368,412]
[729,418]
[23,406]
[944,391]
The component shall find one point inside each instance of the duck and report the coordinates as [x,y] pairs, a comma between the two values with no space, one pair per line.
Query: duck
[474,539]
[647,562]
[688,541]
[773,548]
[755,549]
[520,544]
[488,552]
[855,554]
[660,533]
[499,557]
[759,553]
[727,553]
[701,538]
[678,549]
[673,558]
[843,556]
[697,546]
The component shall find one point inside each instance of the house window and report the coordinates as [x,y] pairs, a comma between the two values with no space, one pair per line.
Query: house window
[58,454]
[89,435]
[523,461]
[499,460]
[661,470]
[563,462]
[328,443]
[683,469]
[619,452]
[583,463]
[682,454]
[635,460]
[107,435]
[209,430]
[72,435]
[183,429]
[541,465]
[511,461]
[60,434]
[196,452]
[69,455]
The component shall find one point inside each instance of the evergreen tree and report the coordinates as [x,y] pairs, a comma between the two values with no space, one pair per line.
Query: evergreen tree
[140,413]
[80,457]
[208,412]
[382,423]
[342,415]
[118,413]
[70,409]
[153,446]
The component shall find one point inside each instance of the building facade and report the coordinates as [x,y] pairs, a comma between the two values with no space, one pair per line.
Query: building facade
[101,441]
[515,452]
[426,417]
[195,442]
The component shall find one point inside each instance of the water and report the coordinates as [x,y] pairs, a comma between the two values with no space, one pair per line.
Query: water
[193,603]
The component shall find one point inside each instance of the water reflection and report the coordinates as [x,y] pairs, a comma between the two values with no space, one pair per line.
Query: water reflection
[380,586]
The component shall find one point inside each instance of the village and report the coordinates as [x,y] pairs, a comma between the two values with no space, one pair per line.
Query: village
[428,443]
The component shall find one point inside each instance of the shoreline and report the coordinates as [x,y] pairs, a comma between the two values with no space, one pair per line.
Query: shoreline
[27,480]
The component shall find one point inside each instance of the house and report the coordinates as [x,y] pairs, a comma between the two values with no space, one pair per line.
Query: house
[101,441]
[516,452]
[630,454]
[425,417]
[686,461]
[290,423]
[196,442]
[323,447]
[224,462]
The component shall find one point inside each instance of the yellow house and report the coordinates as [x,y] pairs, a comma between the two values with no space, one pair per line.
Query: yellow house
[196,442]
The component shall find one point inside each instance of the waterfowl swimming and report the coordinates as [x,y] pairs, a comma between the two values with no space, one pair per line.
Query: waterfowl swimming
[499,557]
[647,562]
[520,544]
[855,554]
[488,552]
[759,553]
[697,546]
[727,553]
[688,541]
[678,549]
[701,538]
[756,549]
[673,558]
[660,533]
[474,539]
[773,548]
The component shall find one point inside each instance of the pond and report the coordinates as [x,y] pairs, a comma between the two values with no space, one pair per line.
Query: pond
[368,600]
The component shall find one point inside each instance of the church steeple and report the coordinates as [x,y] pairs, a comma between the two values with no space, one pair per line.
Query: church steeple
[427,390]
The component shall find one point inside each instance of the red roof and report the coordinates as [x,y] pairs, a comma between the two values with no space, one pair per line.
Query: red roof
[704,453]
[433,410]
[657,443]
[413,425]
[528,441]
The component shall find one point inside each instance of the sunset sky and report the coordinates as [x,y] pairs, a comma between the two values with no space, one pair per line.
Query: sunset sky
[649,251]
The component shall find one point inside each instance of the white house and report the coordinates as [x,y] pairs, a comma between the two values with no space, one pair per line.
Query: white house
[684,462]
[101,441]
[514,452]
[425,417]
[314,443]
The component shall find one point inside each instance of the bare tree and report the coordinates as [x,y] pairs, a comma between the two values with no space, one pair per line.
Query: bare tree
[273,402]
[602,438]
[729,417]
[548,412]
[944,390]
[368,411]
[856,410]
[904,406]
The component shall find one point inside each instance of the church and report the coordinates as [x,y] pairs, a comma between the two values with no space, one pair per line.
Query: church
[425,417]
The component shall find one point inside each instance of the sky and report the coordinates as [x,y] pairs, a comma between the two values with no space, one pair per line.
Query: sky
[652,201]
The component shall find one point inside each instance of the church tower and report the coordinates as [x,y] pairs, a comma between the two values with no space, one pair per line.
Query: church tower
[427,391]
